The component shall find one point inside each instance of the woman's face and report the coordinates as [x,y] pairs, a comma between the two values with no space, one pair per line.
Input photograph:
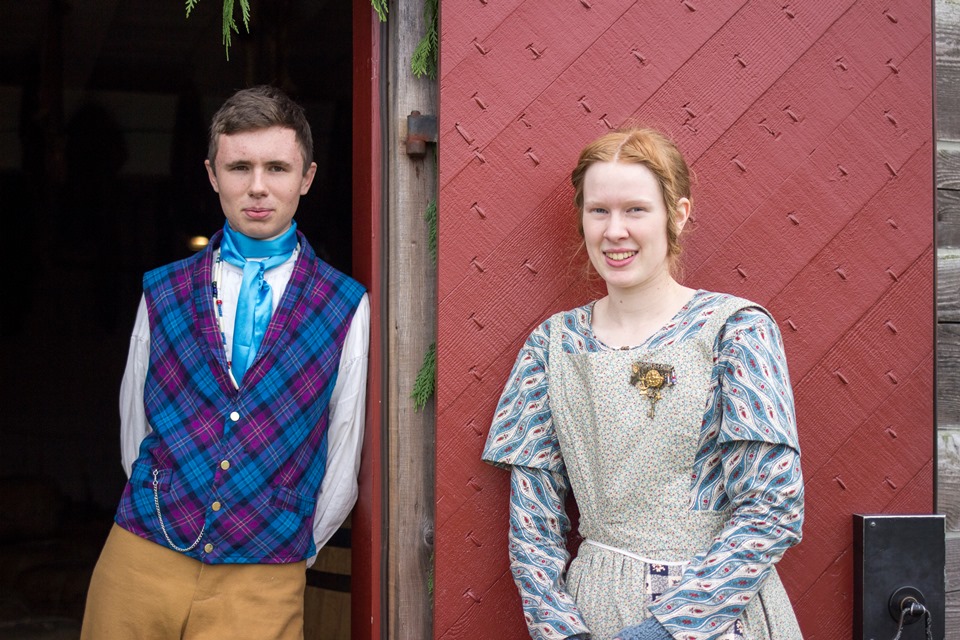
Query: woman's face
[625,224]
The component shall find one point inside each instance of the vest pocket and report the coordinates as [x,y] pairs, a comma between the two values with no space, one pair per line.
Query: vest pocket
[142,476]
[289,500]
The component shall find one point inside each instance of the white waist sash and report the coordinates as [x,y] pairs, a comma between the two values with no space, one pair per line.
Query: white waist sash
[633,555]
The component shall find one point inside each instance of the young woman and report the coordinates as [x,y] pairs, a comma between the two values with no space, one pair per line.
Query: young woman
[669,412]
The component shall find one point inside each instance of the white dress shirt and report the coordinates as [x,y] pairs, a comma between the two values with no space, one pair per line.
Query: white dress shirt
[338,492]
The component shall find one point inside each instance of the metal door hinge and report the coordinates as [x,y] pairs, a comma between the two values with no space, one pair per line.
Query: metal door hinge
[421,129]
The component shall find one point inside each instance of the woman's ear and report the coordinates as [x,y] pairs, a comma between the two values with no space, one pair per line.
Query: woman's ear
[683,213]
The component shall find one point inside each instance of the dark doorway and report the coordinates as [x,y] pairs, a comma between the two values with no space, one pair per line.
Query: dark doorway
[104,106]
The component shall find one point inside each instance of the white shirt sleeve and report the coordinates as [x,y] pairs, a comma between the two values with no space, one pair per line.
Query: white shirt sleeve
[338,492]
[133,420]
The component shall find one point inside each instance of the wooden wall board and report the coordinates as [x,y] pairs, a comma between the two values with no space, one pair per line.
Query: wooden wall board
[948,370]
[948,286]
[948,196]
[948,476]
[948,69]
[948,217]
[782,113]
[953,562]
[948,167]
[948,299]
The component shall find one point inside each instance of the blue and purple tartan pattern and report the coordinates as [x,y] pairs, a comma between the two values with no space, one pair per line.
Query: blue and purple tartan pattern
[276,449]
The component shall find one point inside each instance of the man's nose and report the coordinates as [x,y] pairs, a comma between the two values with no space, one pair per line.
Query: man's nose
[257,185]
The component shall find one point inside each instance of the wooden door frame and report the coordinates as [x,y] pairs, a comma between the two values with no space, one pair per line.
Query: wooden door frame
[367,568]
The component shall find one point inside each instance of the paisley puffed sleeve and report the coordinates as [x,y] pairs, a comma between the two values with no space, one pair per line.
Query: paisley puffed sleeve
[522,431]
[756,397]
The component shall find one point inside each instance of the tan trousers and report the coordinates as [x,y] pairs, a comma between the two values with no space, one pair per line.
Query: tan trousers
[142,591]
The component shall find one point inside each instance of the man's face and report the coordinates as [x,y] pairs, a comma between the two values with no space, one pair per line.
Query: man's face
[259,176]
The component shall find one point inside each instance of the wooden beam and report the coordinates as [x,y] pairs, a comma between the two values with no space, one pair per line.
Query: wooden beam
[412,329]
[948,284]
[948,374]
[948,217]
[948,69]
[948,477]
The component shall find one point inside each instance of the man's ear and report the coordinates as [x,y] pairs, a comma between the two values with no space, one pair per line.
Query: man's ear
[212,175]
[308,179]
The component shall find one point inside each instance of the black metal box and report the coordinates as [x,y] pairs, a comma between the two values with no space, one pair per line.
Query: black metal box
[896,558]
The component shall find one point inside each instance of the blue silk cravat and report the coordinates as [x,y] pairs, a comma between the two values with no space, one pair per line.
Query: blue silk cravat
[255,301]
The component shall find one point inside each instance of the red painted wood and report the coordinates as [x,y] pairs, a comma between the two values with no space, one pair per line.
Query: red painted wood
[809,130]
[367,524]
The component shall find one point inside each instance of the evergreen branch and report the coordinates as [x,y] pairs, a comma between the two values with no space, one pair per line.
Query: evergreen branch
[229,23]
[424,62]
[430,215]
[382,8]
[426,382]
[245,7]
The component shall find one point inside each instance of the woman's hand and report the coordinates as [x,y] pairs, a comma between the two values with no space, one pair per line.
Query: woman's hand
[649,629]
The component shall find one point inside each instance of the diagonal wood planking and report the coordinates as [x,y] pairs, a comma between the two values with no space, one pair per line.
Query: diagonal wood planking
[808,125]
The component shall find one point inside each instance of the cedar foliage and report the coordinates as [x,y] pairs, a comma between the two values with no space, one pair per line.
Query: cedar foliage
[426,382]
[423,62]
[229,22]
[380,6]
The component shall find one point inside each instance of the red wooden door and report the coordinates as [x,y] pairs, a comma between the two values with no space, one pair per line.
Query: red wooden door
[808,125]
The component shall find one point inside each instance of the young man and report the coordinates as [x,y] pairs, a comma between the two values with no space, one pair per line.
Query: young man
[241,406]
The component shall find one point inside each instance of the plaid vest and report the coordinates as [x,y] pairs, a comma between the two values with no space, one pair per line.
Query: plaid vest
[242,466]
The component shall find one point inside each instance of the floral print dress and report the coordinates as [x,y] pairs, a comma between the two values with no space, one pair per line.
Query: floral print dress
[683,456]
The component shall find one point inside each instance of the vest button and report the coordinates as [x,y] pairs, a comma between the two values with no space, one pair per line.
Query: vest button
[225,465]
[208,547]
[234,416]
[216,506]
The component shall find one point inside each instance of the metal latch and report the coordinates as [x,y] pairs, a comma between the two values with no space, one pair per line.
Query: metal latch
[421,129]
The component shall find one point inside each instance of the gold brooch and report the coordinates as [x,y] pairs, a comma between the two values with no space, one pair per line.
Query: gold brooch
[651,379]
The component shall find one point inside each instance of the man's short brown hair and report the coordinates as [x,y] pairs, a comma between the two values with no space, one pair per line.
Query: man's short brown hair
[260,107]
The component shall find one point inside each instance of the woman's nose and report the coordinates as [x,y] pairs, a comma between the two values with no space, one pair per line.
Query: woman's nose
[615,226]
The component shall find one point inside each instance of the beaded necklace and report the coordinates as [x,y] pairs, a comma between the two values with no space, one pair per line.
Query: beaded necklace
[218,305]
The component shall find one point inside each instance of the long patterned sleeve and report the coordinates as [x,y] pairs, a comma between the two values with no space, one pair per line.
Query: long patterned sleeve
[749,465]
[538,552]
[522,438]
